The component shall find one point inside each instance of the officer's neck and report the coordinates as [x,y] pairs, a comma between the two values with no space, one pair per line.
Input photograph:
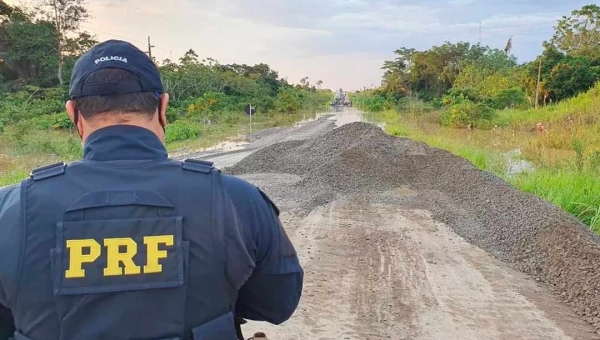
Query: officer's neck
[128,120]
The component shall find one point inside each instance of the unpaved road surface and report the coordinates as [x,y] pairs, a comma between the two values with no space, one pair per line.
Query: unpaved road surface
[378,265]
[375,270]
[231,153]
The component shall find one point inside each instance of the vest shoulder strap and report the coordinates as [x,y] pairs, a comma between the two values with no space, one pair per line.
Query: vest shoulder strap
[268,199]
[48,171]
[197,165]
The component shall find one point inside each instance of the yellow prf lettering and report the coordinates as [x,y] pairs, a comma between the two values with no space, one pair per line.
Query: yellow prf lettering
[115,257]
[154,254]
[77,258]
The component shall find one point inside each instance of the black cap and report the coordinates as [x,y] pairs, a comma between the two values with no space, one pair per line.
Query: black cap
[115,54]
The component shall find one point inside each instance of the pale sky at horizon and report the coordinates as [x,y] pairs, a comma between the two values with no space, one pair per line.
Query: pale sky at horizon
[342,42]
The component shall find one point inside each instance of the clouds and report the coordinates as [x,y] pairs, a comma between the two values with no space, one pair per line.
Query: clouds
[342,42]
[462,2]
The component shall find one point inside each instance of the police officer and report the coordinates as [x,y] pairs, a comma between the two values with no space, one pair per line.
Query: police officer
[128,244]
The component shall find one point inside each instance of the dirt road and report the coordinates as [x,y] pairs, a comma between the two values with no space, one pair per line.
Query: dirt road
[231,153]
[379,268]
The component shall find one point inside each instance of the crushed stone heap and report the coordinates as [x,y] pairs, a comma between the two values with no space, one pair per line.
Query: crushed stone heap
[521,229]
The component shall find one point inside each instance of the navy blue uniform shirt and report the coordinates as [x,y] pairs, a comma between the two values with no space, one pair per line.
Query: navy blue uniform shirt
[272,292]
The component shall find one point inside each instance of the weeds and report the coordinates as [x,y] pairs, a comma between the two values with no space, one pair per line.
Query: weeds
[591,214]
[398,131]
[578,192]
[581,109]
[12,177]
[566,156]
[579,148]
[26,146]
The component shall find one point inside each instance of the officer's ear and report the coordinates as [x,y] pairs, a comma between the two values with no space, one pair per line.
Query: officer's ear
[162,109]
[70,106]
[75,115]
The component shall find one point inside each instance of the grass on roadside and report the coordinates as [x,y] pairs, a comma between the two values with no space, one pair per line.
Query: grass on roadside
[464,147]
[571,183]
[23,148]
[236,128]
[12,177]
[577,192]
[580,109]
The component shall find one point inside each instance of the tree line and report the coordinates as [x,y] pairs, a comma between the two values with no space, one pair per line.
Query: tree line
[39,46]
[471,81]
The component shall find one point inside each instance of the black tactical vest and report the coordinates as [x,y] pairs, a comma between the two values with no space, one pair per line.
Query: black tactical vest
[127,250]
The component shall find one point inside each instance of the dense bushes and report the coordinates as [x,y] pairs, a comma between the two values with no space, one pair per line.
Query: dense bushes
[288,100]
[181,130]
[463,114]
[509,98]
[376,102]
[203,94]
[467,83]
[25,139]
[373,102]
[31,102]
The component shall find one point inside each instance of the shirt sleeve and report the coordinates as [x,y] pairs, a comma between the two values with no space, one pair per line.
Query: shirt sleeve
[273,291]
[10,222]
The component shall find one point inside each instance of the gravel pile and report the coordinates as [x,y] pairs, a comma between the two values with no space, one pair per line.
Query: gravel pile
[354,158]
[532,235]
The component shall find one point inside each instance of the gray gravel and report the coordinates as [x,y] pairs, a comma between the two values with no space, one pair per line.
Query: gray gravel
[302,130]
[523,230]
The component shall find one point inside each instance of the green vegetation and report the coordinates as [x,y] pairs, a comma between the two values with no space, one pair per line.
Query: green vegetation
[470,83]
[565,158]
[38,48]
[479,103]
[584,106]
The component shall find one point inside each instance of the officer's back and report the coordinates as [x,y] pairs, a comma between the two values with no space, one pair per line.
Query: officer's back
[128,244]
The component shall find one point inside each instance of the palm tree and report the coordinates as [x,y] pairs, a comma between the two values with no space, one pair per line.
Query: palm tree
[508,46]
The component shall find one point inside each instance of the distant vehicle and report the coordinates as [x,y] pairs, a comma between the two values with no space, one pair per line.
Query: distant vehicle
[341,99]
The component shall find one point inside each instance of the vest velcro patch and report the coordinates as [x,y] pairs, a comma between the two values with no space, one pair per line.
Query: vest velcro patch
[198,165]
[104,256]
[48,171]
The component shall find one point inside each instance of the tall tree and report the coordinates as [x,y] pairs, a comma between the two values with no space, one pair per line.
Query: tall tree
[189,58]
[401,63]
[579,34]
[396,79]
[67,16]
[5,9]
[572,76]
[433,71]
[27,47]
[509,46]
[550,58]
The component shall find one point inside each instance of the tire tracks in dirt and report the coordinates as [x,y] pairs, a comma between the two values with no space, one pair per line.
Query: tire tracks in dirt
[379,266]
[378,269]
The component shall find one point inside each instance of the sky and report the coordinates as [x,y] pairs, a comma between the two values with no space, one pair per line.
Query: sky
[341,42]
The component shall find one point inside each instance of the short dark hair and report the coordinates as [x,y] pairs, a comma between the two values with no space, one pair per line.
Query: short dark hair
[144,103]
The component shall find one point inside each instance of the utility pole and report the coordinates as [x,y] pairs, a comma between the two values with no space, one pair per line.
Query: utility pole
[537,90]
[150,48]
